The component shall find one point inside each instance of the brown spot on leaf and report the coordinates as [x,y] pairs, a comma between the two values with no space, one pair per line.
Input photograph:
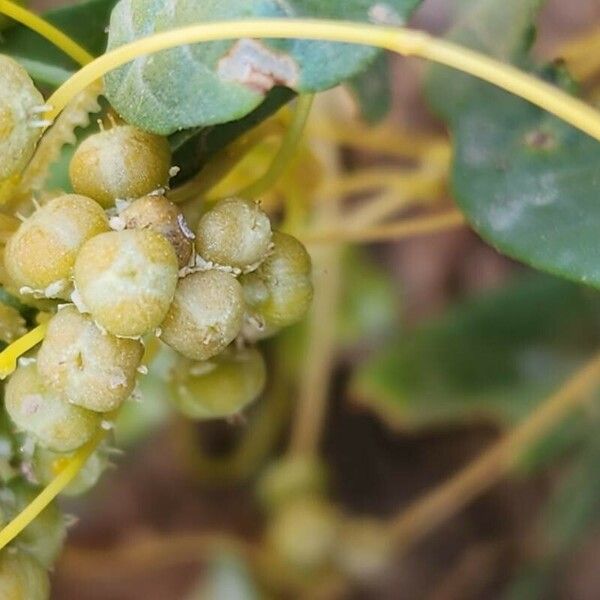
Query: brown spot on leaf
[257,67]
[540,140]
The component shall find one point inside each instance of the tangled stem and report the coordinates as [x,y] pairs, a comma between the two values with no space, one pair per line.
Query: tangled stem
[400,40]
[438,505]
[402,228]
[69,46]
[286,152]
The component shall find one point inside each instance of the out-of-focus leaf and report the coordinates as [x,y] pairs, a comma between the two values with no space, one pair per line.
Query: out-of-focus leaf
[369,308]
[527,182]
[216,82]
[494,357]
[372,90]
[84,22]
[227,578]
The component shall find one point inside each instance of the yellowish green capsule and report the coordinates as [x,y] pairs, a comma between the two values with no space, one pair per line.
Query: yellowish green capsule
[45,415]
[88,368]
[22,577]
[21,108]
[122,162]
[235,233]
[158,214]
[126,280]
[221,386]
[280,291]
[206,315]
[303,533]
[40,255]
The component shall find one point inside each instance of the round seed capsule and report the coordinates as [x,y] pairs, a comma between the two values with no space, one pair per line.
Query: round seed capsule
[160,215]
[290,478]
[206,315]
[86,367]
[122,162]
[44,537]
[304,532]
[279,292]
[235,233]
[49,419]
[365,549]
[219,387]
[47,464]
[22,578]
[41,253]
[20,102]
[126,279]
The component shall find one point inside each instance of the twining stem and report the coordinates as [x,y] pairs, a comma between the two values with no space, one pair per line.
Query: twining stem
[315,373]
[380,139]
[47,30]
[403,228]
[437,506]
[55,487]
[284,155]
[10,355]
[403,41]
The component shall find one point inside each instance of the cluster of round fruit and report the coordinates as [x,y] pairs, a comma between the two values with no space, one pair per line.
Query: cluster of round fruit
[137,269]
[309,534]
[120,263]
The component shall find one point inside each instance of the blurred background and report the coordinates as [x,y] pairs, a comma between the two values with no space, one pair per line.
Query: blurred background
[424,350]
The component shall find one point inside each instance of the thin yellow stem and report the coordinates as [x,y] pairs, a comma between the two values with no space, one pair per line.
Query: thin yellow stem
[444,501]
[45,29]
[403,41]
[371,179]
[10,355]
[286,151]
[380,139]
[389,231]
[313,388]
[55,487]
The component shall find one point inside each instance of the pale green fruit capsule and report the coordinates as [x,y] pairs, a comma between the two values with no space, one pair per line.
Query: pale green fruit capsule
[45,415]
[304,533]
[122,162]
[20,109]
[220,387]
[160,215]
[86,367]
[47,464]
[280,291]
[126,280]
[22,578]
[234,233]
[44,537]
[206,315]
[40,255]
[289,478]
[365,549]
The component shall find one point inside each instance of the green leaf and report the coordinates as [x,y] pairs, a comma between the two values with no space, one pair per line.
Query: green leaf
[84,22]
[494,357]
[215,82]
[527,182]
[372,90]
